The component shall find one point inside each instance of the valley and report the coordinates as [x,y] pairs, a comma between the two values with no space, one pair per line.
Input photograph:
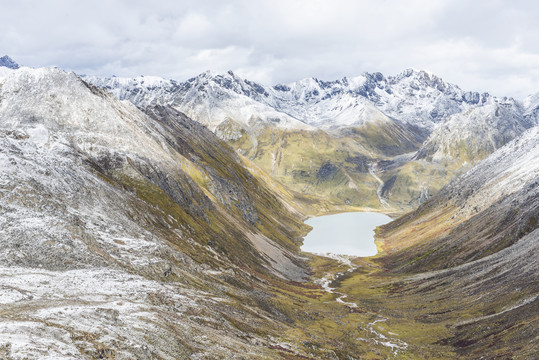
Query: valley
[320,138]
[154,219]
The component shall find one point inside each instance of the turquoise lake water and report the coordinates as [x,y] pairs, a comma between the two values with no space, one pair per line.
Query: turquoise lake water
[344,234]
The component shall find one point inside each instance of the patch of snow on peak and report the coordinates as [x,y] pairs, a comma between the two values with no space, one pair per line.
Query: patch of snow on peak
[140,90]
[6,61]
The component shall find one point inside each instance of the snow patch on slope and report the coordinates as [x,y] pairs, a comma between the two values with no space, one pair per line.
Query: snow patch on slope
[56,108]
[142,90]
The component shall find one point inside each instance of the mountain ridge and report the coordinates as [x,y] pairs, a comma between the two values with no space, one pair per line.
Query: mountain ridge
[374,88]
[472,135]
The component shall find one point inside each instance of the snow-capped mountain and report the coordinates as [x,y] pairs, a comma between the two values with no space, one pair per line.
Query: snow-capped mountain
[416,98]
[208,98]
[423,99]
[213,99]
[327,105]
[6,61]
[475,133]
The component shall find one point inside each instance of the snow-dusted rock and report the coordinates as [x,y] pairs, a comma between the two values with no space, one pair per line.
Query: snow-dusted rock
[415,98]
[475,133]
[6,61]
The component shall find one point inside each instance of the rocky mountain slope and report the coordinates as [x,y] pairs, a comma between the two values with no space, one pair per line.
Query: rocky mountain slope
[496,201]
[6,61]
[474,134]
[483,229]
[127,235]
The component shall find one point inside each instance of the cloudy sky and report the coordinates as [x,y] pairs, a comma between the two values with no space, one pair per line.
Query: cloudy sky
[487,45]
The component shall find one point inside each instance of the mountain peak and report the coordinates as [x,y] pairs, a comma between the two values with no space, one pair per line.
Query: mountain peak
[420,74]
[208,74]
[413,71]
[6,61]
[422,79]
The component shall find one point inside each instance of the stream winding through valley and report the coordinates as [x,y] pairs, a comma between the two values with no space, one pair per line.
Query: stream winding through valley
[395,344]
[342,237]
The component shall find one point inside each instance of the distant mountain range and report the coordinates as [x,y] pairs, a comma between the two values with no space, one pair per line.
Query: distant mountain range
[351,125]
[416,98]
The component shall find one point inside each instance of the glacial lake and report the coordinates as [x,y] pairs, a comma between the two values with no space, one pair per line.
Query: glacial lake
[344,234]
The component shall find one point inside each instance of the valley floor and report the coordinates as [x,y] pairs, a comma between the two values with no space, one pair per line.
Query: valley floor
[355,315]
[363,311]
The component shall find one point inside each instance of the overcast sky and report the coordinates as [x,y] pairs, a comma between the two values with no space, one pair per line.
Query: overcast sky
[485,45]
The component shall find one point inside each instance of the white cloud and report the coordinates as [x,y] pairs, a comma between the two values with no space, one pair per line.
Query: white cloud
[481,45]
